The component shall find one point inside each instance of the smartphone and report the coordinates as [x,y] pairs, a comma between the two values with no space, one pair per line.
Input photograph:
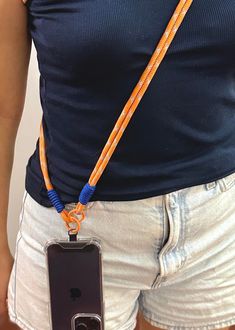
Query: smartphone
[75,283]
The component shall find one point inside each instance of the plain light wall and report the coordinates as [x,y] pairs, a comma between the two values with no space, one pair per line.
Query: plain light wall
[25,145]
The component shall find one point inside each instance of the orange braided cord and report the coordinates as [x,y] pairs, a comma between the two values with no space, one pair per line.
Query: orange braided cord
[139,90]
[43,160]
[125,115]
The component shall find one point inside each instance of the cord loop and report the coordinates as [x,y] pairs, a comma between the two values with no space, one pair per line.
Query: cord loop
[68,219]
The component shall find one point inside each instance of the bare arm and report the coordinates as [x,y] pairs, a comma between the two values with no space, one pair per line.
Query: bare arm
[15,48]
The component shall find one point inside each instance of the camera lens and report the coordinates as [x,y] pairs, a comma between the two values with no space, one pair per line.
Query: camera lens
[94,323]
[81,326]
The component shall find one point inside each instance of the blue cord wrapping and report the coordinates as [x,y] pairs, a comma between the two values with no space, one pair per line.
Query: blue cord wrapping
[86,193]
[55,200]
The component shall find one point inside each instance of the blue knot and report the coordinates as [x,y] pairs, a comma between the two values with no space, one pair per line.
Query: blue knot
[86,193]
[55,200]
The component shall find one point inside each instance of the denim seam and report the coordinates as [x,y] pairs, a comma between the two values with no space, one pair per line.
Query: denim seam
[20,323]
[164,238]
[170,246]
[183,212]
[227,182]
[147,314]
[16,255]
[165,218]
[181,234]
[167,246]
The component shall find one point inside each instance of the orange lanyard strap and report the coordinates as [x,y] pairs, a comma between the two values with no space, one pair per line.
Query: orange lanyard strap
[119,127]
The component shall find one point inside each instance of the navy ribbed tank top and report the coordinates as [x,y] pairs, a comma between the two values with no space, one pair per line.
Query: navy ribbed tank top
[91,55]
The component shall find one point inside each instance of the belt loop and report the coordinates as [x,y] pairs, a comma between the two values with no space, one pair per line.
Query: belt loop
[210,185]
[227,181]
[222,184]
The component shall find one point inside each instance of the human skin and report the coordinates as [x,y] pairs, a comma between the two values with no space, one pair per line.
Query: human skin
[15,48]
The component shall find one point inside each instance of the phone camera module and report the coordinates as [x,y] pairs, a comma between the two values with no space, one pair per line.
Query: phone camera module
[94,323]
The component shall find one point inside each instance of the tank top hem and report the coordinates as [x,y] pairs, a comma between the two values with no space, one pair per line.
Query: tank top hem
[128,197]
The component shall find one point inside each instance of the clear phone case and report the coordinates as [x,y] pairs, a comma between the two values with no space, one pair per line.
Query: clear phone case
[75,281]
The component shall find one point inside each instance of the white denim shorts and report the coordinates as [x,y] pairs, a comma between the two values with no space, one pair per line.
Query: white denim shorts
[170,256]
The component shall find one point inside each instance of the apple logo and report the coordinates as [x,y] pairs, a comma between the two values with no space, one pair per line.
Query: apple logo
[75,293]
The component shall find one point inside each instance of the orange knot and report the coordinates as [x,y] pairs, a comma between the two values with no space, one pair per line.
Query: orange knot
[68,218]
[79,209]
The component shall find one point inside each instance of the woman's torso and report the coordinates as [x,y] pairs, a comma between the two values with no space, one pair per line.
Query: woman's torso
[91,55]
